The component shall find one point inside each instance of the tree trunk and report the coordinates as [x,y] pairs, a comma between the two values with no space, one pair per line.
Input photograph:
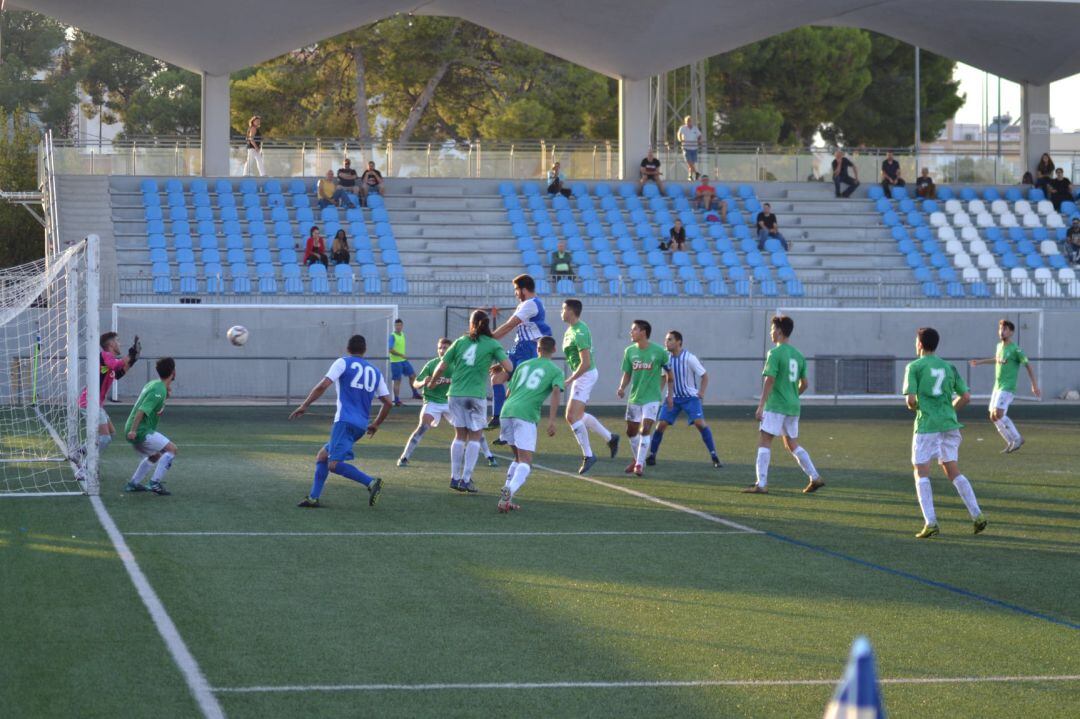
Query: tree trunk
[424,99]
[360,109]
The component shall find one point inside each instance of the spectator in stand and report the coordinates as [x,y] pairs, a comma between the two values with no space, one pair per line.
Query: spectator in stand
[676,237]
[555,180]
[1072,242]
[254,146]
[924,185]
[890,174]
[339,249]
[1027,179]
[1060,189]
[562,265]
[329,193]
[650,171]
[347,180]
[705,197]
[1044,172]
[690,137]
[767,227]
[841,176]
[370,182]
[315,249]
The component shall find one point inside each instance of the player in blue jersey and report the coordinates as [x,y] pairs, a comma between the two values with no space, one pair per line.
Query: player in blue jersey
[685,392]
[528,323]
[357,382]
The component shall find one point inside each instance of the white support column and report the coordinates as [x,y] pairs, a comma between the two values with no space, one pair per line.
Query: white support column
[1035,135]
[634,136]
[215,125]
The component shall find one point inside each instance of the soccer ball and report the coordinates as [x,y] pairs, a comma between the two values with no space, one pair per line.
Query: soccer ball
[238,335]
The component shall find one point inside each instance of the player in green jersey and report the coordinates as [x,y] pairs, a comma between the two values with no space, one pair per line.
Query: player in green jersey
[1007,361]
[930,385]
[645,369]
[467,363]
[578,349]
[141,431]
[779,407]
[435,406]
[533,380]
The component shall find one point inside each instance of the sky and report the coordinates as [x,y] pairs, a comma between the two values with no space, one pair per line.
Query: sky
[1063,106]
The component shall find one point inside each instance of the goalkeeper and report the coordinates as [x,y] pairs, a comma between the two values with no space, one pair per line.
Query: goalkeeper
[111,367]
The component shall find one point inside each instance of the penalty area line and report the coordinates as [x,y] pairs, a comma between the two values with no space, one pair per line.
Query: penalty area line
[376,535]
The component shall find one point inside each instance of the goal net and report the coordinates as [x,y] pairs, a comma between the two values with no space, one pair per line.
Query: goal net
[48,353]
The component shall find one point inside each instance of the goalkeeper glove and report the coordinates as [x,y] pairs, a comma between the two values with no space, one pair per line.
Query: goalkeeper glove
[134,351]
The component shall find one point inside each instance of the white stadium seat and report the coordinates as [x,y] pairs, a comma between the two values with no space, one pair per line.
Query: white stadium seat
[953,206]
[977,247]
[968,233]
[1032,220]
[1022,207]
[1027,289]
[1007,219]
[975,207]
[1042,274]
[1051,289]
[1048,247]
[1045,207]
[938,219]
[1018,274]
[954,246]
[1066,274]
[985,219]
[995,277]
[1072,288]
[1054,221]
[970,274]
[986,260]
[946,233]
[961,219]
[999,207]
[961,260]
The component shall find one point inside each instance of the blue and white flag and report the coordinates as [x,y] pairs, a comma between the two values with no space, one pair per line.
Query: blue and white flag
[858,695]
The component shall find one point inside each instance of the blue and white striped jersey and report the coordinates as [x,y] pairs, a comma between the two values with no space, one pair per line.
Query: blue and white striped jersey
[688,372]
[533,321]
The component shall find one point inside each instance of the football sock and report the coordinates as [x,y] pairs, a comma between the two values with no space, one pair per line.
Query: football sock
[634,445]
[803,458]
[642,450]
[142,470]
[706,437]
[510,473]
[414,440]
[498,394]
[1011,429]
[163,465]
[350,472]
[1003,430]
[764,454]
[484,447]
[654,444]
[472,453]
[520,475]
[963,488]
[457,458]
[594,426]
[926,499]
[582,436]
[322,471]
[103,441]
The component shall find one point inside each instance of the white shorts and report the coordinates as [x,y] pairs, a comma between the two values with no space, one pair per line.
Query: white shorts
[518,433]
[641,412]
[102,418]
[942,446]
[468,413]
[582,387]
[437,412]
[152,444]
[1000,399]
[779,425]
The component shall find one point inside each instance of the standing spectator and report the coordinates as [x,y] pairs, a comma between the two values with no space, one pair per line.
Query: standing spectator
[562,265]
[767,227]
[690,137]
[650,171]
[705,197]
[1060,189]
[1072,242]
[555,181]
[254,147]
[329,193]
[370,182]
[676,237]
[1044,171]
[924,185]
[339,249]
[840,175]
[315,249]
[890,174]
[348,180]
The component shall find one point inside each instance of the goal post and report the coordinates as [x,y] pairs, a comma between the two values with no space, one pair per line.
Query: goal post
[48,353]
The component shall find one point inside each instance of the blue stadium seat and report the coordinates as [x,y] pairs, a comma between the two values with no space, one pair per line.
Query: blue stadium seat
[929,206]
[931,290]
[1057,261]
[890,219]
[148,186]
[162,285]
[947,274]
[565,286]
[630,258]
[741,232]
[160,269]
[173,186]
[944,193]
[287,255]
[752,205]
[1033,261]
[687,272]
[907,205]
[762,273]
[767,288]
[586,271]
[213,275]
[506,189]
[542,286]
[241,285]
[717,287]
[637,272]
[955,290]
[1013,194]
[151,200]
[967,194]
[882,205]
[913,259]
[875,193]
[754,259]
[261,255]
[915,219]
[663,272]
[668,288]
[226,200]
[642,288]
[535,270]
[939,260]
[979,289]
[742,287]
[201,200]
[152,213]
[990,194]
[924,233]
[591,287]
[794,288]
[746,192]
[905,246]
[1009,261]
[785,273]
[680,259]
[736,273]
[158,255]
[185,255]
[297,187]
[923,274]
[208,241]
[399,286]
[203,214]
[156,241]
[1035,195]
[228,213]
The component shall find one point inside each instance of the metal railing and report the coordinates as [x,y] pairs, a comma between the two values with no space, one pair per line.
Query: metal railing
[47,186]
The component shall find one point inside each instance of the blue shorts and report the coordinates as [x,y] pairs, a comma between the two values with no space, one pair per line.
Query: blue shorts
[401,369]
[690,405]
[522,351]
[343,435]
[690,155]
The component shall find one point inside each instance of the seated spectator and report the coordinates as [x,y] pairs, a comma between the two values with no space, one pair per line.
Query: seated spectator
[890,175]
[339,249]
[840,175]
[1060,189]
[370,182]
[650,171]
[561,263]
[924,186]
[705,197]
[330,193]
[767,227]
[555,180]
[347,180]
[676,237]
[1072,242]
[1044,172]
[1027,179]
[315,249]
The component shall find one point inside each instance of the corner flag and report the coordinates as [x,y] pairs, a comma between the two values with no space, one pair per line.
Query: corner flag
[857,696]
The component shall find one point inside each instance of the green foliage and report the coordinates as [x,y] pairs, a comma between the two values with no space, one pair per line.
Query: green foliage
[525,117]
[762,123]
[30,42]
[22,239]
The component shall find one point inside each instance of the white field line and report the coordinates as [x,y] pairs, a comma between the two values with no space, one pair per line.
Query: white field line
[631,684]
[596,533]
[197,684]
